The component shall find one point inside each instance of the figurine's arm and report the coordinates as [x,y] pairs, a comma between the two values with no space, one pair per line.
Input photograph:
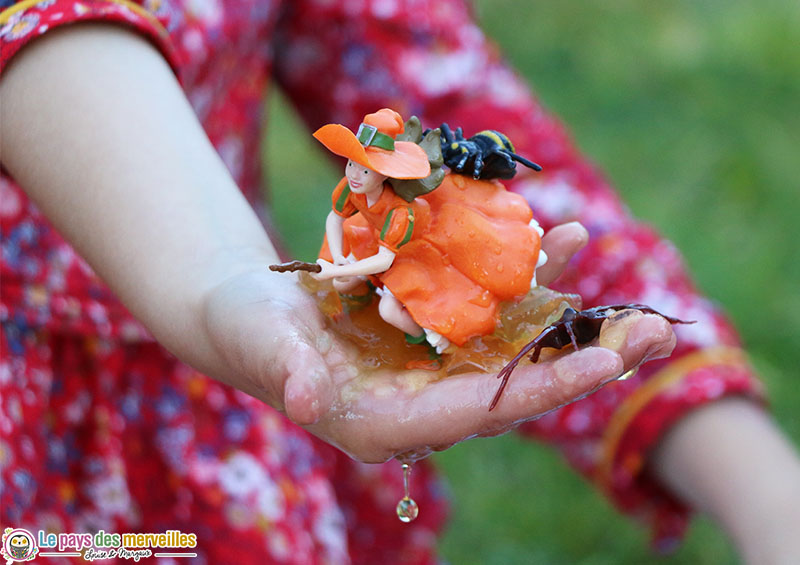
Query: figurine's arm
[334,225]
[378,263]
[396,231]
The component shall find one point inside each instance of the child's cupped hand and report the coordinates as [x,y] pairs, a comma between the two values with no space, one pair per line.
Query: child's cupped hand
[144,198]
[273,340]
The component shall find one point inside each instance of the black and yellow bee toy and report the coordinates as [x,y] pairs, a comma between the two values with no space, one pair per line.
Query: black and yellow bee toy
[486,155]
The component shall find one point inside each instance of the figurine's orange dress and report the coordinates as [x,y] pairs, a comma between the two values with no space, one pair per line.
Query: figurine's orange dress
[461,250]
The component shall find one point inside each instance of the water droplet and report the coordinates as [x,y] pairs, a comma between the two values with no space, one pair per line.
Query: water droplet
[407,510]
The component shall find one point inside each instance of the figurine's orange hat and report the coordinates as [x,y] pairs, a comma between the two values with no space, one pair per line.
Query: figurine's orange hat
[374,146]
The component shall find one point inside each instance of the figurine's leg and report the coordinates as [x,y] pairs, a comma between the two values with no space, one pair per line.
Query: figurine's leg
[344,285]
[394,313]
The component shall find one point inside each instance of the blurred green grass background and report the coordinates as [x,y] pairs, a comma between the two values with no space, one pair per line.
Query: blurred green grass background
[693,111]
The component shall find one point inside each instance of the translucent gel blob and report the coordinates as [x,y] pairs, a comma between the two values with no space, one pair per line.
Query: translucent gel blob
[378,346]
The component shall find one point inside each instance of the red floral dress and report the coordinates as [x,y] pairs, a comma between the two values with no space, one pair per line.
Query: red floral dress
[101,429]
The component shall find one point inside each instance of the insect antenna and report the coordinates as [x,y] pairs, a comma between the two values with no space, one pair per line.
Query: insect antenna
[524,161]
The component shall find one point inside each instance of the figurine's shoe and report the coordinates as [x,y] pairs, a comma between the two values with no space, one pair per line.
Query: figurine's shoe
[542,259]
[436,340]
[415,340]
[535,225]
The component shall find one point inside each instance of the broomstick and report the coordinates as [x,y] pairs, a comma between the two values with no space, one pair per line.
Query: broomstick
[292,266]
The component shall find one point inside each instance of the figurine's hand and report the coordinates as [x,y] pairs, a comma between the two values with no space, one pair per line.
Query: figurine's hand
[340,284]
[273,345]
[328,270]
[341,260]
[345,285]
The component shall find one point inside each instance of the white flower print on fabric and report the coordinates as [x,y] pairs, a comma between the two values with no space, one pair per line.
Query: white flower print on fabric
[10,202]
[553,199]
[278,545]
[270,501]
[241,475]
[19,25]
[438,74]
[384,9]
[329,529]
[110,494]
[207,11]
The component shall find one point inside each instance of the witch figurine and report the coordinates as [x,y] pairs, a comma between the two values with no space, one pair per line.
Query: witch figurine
[441,251]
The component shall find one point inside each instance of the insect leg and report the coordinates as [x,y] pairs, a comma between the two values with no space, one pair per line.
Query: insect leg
[536,345]
[460,165]
[571,333]
[477,165]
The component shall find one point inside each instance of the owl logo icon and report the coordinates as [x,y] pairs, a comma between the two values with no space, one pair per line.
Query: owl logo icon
[18,545]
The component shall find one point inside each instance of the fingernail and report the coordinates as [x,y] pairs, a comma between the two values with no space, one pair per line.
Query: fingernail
[614,331]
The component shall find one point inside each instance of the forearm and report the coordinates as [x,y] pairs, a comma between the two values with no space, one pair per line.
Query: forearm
[378,263]
[98,132]
[333,231]
[729,460]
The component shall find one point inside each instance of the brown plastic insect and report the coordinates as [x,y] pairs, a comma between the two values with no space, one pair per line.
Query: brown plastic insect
[577,328]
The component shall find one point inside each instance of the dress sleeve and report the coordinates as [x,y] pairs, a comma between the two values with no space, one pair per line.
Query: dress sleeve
[430,59]
[397,228]
[22,22]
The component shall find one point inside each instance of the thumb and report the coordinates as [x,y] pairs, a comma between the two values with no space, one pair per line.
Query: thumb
[308,388]
[560,244]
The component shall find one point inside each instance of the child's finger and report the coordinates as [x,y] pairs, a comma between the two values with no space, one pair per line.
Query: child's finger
[457,408]
[533,390]
[637,336]
[560,244]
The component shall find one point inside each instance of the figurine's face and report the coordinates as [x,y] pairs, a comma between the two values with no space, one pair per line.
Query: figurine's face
[363,180]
